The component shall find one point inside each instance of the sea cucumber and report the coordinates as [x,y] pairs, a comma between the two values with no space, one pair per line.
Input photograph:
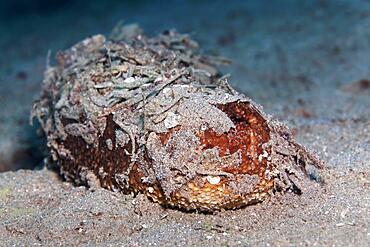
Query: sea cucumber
[150,115]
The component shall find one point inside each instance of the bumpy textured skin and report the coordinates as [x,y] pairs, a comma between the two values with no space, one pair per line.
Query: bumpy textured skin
[148,115]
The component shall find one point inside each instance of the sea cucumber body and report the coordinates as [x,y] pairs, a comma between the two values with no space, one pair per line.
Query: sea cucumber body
[149,116]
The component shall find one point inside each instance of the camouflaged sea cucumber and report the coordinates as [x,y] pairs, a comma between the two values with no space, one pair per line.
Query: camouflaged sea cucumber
[149,115]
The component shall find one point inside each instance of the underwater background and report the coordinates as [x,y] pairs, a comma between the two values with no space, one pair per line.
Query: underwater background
[306,62]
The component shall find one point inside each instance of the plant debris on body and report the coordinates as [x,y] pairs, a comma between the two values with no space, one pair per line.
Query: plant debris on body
[150,115]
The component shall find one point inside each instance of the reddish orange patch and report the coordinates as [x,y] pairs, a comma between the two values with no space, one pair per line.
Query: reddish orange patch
[250,132]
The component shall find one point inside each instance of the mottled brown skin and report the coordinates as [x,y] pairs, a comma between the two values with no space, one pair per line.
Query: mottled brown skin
[114,161]
[250,133]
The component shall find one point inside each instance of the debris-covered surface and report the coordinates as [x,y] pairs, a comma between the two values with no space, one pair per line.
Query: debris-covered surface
[306,63]
[149,115]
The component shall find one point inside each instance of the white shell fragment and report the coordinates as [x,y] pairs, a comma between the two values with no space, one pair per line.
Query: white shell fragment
[213,179]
